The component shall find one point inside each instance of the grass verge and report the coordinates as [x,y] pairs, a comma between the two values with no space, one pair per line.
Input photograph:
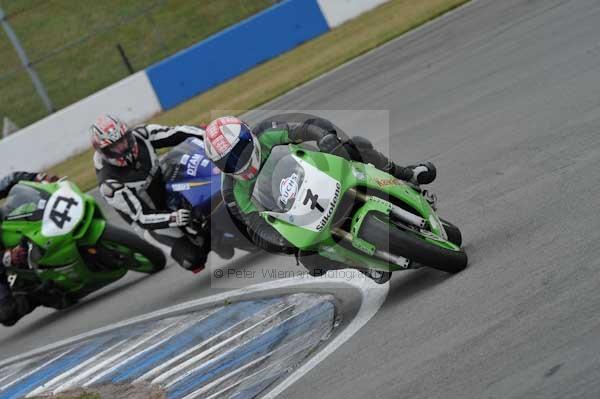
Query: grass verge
[72,44]
[281,74]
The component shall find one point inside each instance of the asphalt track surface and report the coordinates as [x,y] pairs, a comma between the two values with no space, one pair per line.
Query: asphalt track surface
[504,97]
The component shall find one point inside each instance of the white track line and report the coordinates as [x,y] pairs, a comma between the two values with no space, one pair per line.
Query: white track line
[16,368]
[373,297]
[109,370]
[269,370]
[205,353]
[185,354]
[35,370]
[74,370]
[208,352]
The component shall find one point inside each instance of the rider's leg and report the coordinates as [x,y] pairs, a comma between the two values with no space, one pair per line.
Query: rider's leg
[423,173]
[13,308]
[8,308]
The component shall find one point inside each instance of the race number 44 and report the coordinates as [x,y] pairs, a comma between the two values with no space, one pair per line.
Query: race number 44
[60,211]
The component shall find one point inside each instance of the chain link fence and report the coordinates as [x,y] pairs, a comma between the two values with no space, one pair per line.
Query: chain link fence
[78,47]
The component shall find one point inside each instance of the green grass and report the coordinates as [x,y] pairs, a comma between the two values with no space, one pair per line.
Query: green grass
[88,32]
[289,70]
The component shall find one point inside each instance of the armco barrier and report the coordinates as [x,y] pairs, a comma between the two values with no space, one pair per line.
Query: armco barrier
[236,50]
[65,133]
[337,12]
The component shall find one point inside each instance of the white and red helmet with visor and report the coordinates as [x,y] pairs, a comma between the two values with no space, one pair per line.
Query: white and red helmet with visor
[233,148]
[114,141]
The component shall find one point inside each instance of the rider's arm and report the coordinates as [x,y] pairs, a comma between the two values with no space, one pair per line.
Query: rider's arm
[127,203]
[9,181]
[293,128]
[168,136]
[237,196]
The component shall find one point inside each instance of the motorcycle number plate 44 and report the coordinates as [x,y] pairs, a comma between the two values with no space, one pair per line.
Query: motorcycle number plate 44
[315,199]
[63,212]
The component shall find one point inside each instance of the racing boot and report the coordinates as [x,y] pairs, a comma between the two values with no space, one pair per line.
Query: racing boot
[12,309]
[190,256]
[423,173]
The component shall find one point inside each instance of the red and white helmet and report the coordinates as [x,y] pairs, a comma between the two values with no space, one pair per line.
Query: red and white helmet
[233,148]
[114,141]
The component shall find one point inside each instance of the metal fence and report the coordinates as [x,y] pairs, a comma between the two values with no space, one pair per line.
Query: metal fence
[77,47]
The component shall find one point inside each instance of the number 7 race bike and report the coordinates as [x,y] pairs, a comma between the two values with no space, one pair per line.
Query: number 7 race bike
[354,214]
[73,251]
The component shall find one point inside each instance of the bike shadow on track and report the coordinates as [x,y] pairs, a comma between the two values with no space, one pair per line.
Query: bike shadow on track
[410,283]
[204,278]
[57,315]
[404,285]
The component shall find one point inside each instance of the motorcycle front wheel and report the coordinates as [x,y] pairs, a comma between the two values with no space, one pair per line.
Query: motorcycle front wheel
[390,238]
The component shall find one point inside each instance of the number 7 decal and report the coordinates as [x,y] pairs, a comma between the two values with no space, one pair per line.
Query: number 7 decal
[313,198]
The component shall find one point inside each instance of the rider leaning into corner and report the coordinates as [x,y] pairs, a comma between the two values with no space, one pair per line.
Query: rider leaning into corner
[131,181]
[15,305]
[240,152]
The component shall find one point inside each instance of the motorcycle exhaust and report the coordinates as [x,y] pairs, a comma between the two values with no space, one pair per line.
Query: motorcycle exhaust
[383,255]
[390,258]
[403,215]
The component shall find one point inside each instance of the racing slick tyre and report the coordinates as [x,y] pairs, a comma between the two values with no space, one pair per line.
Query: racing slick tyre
[137,254]
[454,235]
[377,229]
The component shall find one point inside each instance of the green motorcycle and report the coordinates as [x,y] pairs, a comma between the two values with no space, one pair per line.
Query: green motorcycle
[355,214]
[73,251]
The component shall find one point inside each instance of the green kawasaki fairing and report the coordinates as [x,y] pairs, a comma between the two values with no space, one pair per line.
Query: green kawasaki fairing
[72,250]
[353,213]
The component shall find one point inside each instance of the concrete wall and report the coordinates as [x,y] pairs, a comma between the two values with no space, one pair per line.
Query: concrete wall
[65,133]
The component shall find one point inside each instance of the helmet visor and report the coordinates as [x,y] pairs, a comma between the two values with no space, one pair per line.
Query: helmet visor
[120,148]
[239,156]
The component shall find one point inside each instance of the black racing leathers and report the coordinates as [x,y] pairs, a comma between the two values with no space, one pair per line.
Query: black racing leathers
[13,306]
[138,194]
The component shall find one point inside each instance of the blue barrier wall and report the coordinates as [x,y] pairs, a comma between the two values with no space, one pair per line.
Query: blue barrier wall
[235,50]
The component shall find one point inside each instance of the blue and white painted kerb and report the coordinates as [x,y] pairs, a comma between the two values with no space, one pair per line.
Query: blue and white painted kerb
[239,48]
[176,79]
[237,350]
[248,343]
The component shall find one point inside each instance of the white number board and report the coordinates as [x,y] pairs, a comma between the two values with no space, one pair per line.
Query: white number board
[63,212]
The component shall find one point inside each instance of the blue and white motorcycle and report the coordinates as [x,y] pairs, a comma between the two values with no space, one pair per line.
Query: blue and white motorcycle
[193,182]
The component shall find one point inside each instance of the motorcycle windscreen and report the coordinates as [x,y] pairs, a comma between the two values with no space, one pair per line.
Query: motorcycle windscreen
[189,173]
[187,161]
[279,181]
[24,203]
